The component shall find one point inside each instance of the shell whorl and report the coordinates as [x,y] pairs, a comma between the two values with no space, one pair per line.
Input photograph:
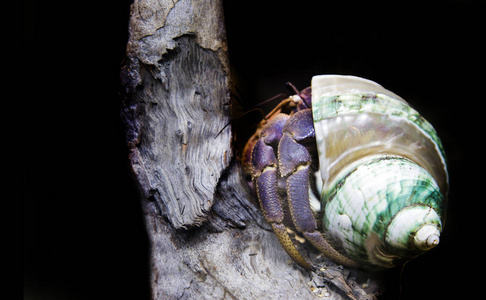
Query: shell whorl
[383,170]
[420,222]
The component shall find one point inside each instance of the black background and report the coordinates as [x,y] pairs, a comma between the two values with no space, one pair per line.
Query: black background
[83,232]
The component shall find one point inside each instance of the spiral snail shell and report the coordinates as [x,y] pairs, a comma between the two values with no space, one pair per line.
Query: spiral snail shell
[383,176]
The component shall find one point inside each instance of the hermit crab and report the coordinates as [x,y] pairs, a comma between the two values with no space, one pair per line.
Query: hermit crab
[376,164]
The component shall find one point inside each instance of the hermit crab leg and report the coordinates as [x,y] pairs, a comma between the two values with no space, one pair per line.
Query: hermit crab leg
[272,209]
[265,176]
[294,162]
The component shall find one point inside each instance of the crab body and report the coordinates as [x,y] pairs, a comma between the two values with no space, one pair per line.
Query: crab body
[381,173]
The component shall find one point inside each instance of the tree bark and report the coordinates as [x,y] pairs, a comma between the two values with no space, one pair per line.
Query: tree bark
[208,238]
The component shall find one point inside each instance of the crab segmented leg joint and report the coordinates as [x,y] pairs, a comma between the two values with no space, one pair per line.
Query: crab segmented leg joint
[294,162]
[265,176]
[280,154]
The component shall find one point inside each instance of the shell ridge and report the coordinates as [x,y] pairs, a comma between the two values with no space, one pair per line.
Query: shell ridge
[385,110]
[372,210]
[357,103]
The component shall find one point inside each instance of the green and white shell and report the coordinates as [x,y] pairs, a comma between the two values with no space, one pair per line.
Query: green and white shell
[384,177]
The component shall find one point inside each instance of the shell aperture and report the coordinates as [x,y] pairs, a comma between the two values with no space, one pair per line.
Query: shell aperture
[384,177]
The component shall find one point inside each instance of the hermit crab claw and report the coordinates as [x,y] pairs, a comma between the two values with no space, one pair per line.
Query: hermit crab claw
[279,155]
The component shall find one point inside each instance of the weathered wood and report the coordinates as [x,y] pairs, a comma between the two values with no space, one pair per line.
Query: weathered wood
[177,77]
[208,238]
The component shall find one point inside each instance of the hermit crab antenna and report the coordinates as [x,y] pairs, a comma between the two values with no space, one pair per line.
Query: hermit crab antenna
[278,97]
[292,88]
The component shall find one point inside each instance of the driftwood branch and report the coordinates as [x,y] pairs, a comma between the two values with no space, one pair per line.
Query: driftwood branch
[208,238]
[178,82]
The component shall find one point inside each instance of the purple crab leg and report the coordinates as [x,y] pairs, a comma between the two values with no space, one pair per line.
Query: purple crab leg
[294,162]
[265,174]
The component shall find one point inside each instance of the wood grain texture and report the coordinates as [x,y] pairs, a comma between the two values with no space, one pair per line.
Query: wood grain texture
[177,79]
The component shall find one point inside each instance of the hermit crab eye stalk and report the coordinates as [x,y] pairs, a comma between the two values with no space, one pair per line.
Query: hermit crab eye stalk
[383,177]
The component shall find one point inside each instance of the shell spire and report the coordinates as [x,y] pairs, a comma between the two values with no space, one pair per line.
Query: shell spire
[427,237]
